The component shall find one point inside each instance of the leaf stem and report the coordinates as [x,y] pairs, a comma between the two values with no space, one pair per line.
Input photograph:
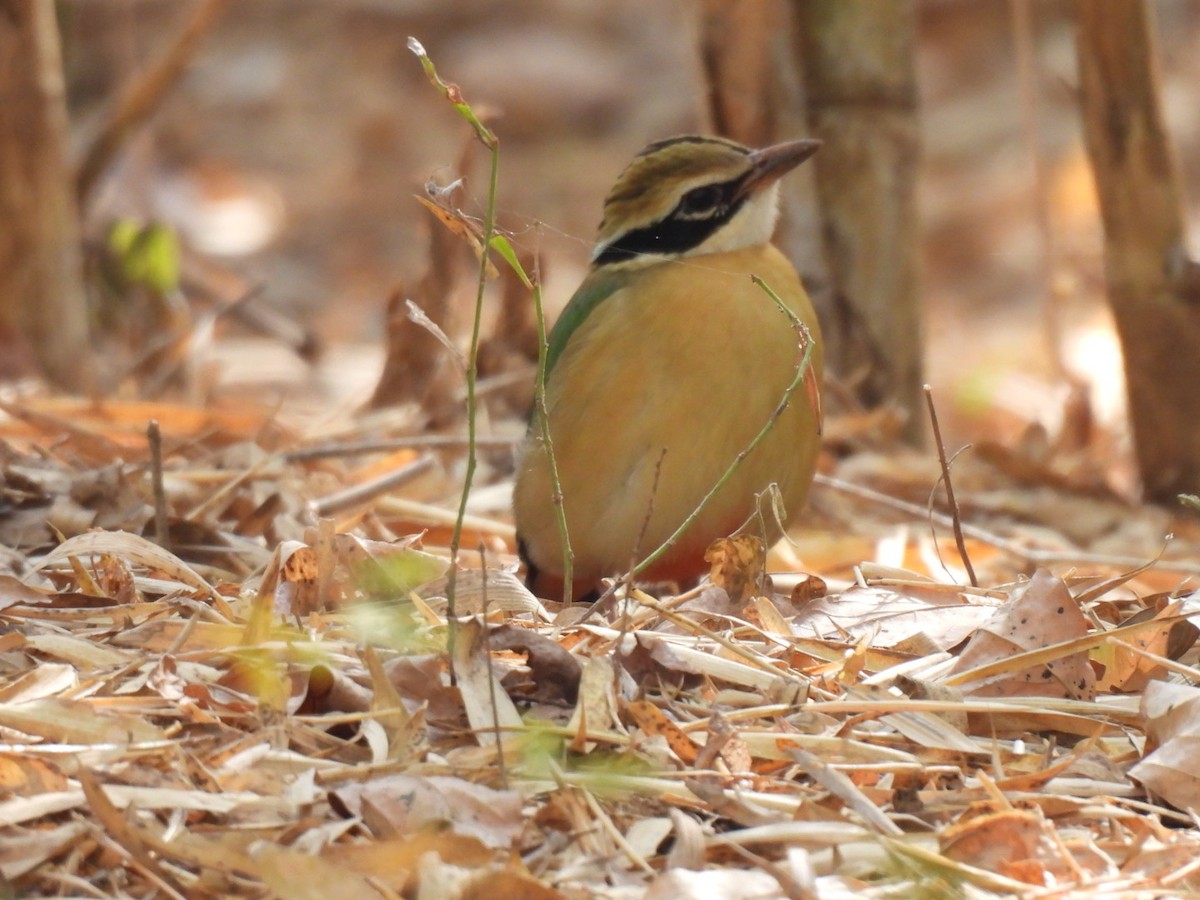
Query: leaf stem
[486,137]
[543,423]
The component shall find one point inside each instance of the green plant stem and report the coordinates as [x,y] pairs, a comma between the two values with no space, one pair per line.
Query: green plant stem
[543,420]
[452,93]
[541,414]
[489,226]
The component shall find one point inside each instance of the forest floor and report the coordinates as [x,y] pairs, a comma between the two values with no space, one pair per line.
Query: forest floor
[257,700]
[227,667]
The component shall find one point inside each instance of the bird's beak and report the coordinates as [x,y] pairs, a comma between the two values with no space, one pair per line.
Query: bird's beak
[772,163]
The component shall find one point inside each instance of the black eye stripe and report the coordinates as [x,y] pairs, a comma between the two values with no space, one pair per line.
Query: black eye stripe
[674,235]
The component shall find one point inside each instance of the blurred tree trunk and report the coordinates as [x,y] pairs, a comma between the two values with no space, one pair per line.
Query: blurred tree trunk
[848,76]
[858,63]
[1153,288]
[754,96]
[742,84]
[41,286]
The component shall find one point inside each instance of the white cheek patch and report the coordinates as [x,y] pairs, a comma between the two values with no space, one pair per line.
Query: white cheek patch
[752,225]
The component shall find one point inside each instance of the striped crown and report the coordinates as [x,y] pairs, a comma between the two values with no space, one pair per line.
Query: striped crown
[691,195]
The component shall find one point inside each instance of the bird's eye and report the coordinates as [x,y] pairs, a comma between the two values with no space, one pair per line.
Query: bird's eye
[701,200]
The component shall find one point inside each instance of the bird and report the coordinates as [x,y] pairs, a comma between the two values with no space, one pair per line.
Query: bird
[662,368]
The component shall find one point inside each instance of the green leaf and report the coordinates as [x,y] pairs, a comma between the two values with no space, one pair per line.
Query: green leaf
[147,254]
[500,244]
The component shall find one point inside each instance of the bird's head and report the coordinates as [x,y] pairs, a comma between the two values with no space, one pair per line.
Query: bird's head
[692,195]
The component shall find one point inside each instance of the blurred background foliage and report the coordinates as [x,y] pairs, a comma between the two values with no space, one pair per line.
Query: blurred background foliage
[291,148]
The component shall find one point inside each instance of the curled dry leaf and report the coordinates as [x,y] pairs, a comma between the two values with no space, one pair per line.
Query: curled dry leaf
[45,680]
[131,548]
[327,689]
[941,615]
[496,589]
[405,732]
[387,568]
[398,805]
[645,836]
[675,661]
[507,882]
[292,875]
[467,229]
[654,722]
[763,613]
[555,672]
[115,579]
[1172,769]
[86,655]
[709,602]
[14,592]
[1126,669]
[1019,844]
[21,853]
[296,589]
[736,755]
[596,708]
[730,804]
[737,565]
[423,677]
[394,861]
[807,589]
[1040,613]
[77,722]
[22,775]
[489,709]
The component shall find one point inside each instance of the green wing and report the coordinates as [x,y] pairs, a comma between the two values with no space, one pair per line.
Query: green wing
[596,288]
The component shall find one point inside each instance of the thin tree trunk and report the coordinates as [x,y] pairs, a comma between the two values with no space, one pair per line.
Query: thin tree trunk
[41,275]
[859,70]
[739,76]
[754,95]
[1152,285]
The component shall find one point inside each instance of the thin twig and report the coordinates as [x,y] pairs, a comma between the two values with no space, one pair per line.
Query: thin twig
[637,545]
[541,414]
[956,519]
[487,652]
[421,319]
[162,529]
[385,445]
[1023,40]
[143,96]
[628,579]
[143,867]
[614,833]
[434,514]
[733,647]
[1035,555]
[369,490]
[492,240]
[220,495]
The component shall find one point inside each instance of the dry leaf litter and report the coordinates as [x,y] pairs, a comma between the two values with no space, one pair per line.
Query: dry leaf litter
[249,693]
